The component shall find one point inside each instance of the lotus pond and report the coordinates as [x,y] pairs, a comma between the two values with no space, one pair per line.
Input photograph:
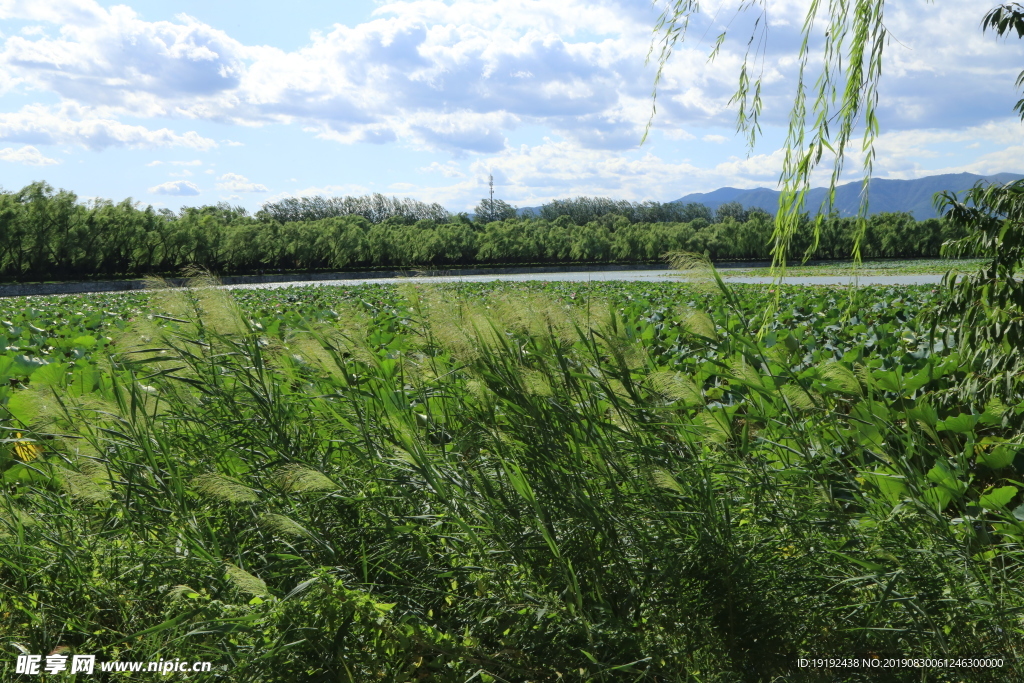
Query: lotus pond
[614,481]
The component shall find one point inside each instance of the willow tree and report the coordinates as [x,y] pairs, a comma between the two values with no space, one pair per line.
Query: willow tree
[835,111]
[983,311]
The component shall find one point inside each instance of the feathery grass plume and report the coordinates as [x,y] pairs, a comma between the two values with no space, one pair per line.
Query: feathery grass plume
[215,307]
[222,488]
[300,479]
[82,486]
[841,379]
[180,592]
[464,329]
[663,479]
[695,269]
[636,357]
[351,319]
[141,339]
[446,322]
[345,342]
[744,372]
[618,388]
[798,397]
[486,331]
[863,373]
[283,526]
[312,352]
[536,382]
[612,335]
[698,323]
[170,301]
[535,315]
[715,426]
[779,354]
[480,392]
[595,314]
[676,387]
[246,582]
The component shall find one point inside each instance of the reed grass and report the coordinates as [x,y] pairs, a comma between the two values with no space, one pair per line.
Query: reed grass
[465,488]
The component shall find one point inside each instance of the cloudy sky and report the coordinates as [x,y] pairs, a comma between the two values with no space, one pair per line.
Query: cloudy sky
[193,102]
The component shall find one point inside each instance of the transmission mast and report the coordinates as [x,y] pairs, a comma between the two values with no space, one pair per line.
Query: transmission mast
[490,183]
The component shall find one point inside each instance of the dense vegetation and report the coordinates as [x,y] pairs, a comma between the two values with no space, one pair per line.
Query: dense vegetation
[46,234]
[524,482]
[505,483]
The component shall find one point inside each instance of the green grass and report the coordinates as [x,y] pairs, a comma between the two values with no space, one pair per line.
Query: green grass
[867,268]
[504,482]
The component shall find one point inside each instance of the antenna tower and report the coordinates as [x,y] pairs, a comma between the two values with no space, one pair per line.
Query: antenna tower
[490,183]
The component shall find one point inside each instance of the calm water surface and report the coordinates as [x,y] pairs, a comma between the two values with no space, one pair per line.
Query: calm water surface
[599,276]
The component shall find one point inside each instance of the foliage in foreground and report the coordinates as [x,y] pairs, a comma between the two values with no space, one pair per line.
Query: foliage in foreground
[512,484]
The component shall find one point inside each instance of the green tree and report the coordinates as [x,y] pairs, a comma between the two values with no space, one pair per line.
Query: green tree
[489,210]
[851,37]
[985,310]
[1004,20]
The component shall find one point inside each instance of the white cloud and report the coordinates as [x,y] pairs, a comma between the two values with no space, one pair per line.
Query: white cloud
[28,155]
[177,188]
[348,190]
[460,76]
[72,124]
[232,182]
[531,175]
[454,77]
[678,134]
[448,170]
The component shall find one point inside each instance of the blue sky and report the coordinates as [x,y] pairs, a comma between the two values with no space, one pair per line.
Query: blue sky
[189,102]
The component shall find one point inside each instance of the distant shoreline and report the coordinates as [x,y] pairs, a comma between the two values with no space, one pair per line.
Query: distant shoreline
[85,287]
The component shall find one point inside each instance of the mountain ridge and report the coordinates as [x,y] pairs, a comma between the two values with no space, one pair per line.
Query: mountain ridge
[885,194]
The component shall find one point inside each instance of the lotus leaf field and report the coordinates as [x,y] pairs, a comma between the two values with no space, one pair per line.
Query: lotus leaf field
[505,482]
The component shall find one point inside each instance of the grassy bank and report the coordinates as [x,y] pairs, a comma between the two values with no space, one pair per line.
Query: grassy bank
[869,268]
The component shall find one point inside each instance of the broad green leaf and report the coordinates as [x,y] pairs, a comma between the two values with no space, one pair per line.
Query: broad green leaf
[961,424]
[998,457]
[938,497]
[86,342]
[998,497]
[890,484]
[890,381]
[52,375]
[925,413]
[23,407]
[25,365]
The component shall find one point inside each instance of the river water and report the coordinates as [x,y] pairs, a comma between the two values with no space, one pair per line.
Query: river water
[604,275]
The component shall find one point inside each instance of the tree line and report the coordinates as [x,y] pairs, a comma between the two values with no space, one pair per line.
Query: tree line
[48,234]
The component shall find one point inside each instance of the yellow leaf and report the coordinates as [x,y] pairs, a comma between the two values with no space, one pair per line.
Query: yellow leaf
[25,449]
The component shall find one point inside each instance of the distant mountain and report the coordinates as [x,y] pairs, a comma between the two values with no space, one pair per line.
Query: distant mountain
[914,196]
